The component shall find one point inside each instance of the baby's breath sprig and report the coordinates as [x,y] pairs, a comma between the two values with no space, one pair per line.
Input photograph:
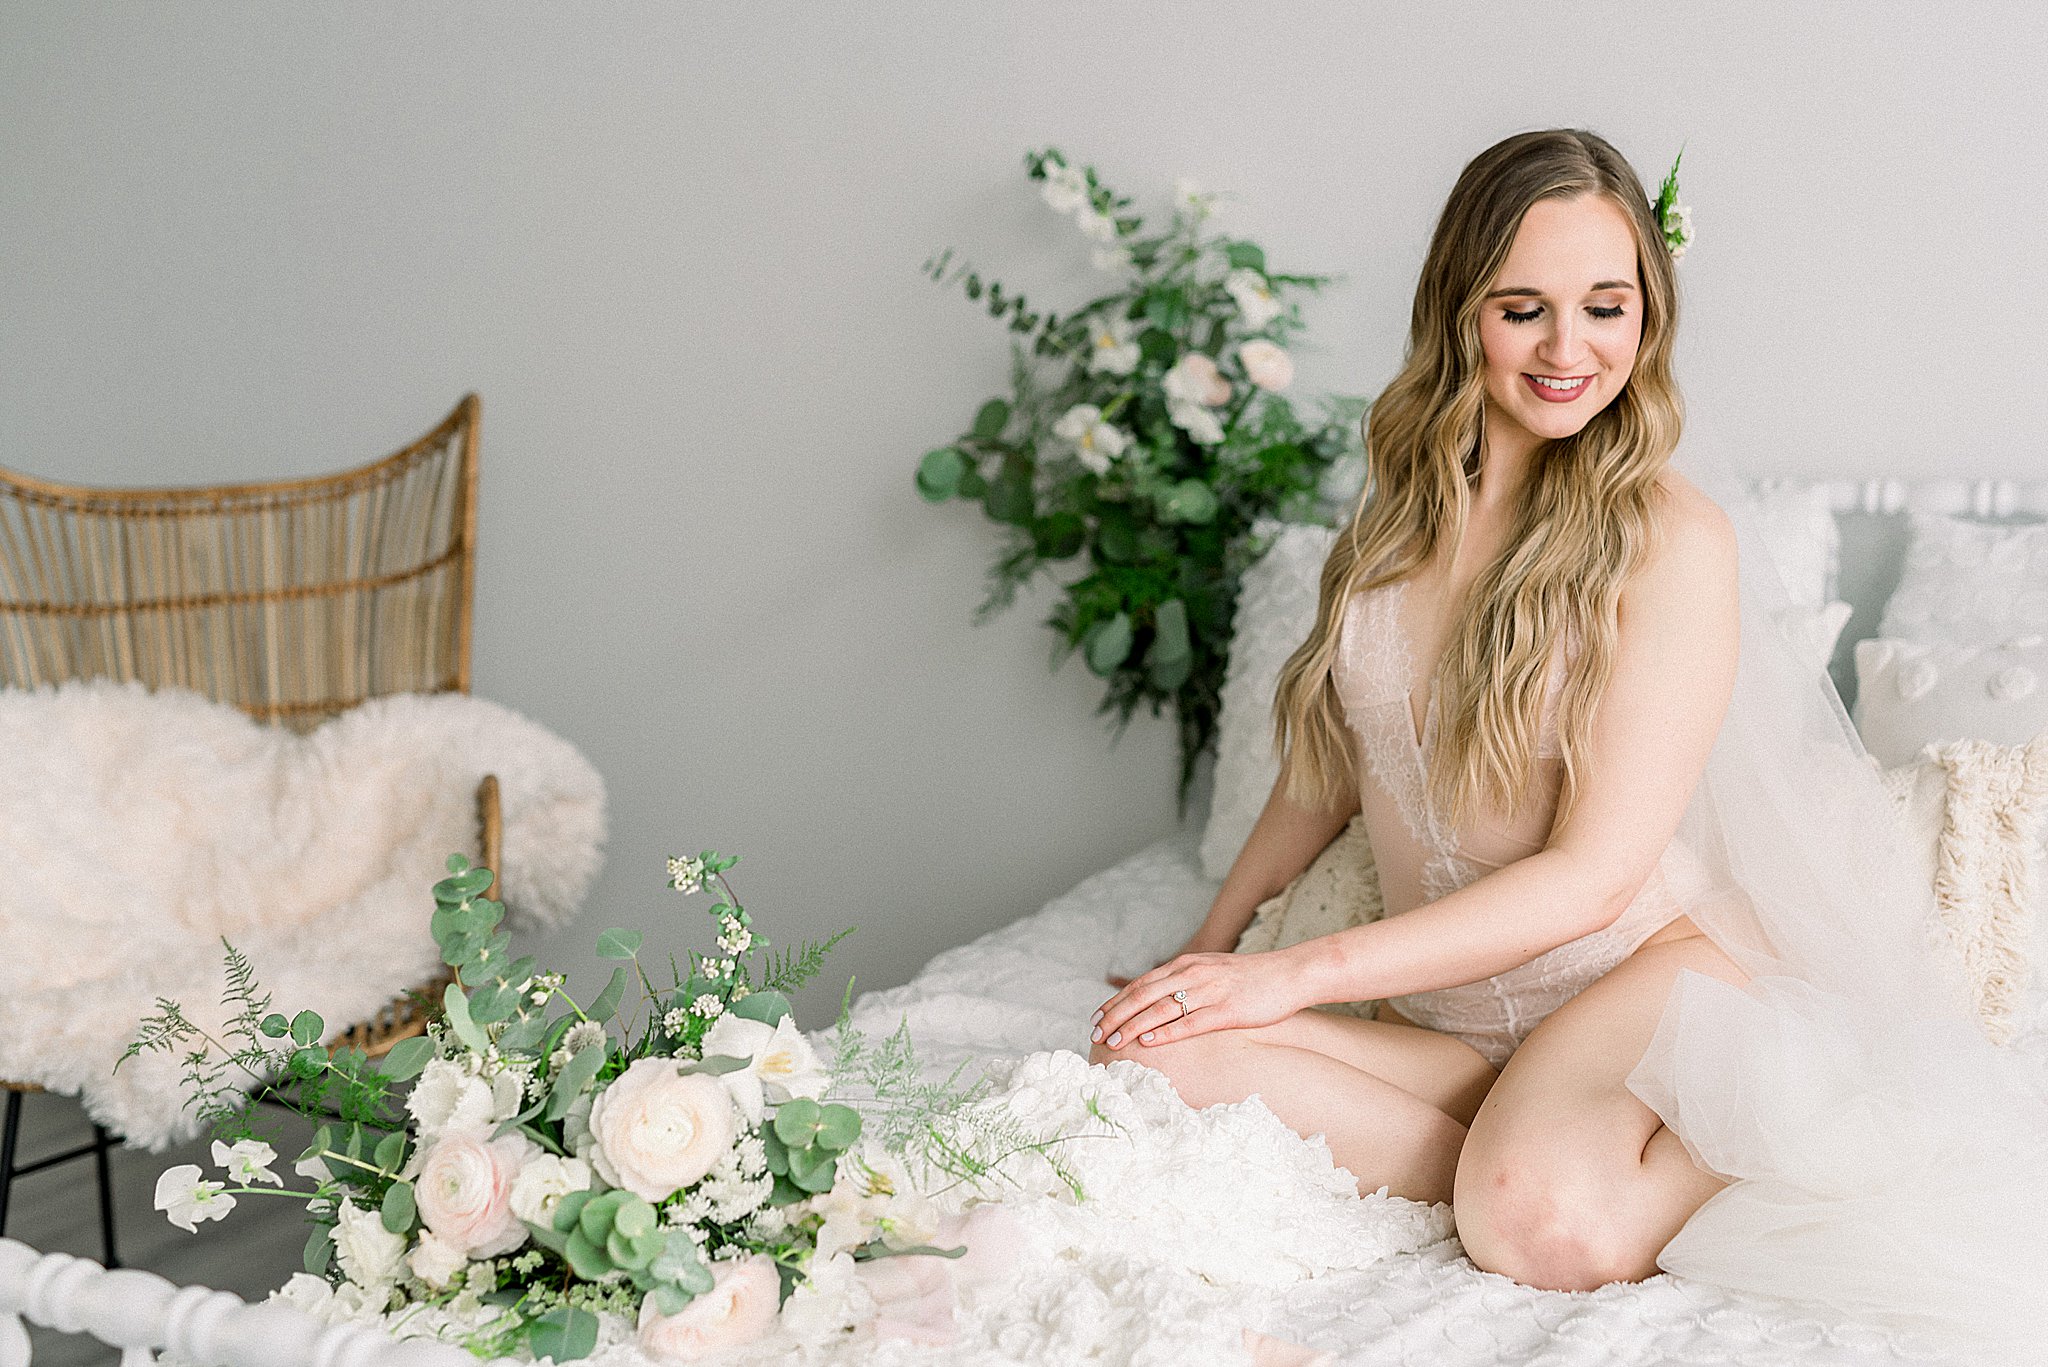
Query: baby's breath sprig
[1674,219]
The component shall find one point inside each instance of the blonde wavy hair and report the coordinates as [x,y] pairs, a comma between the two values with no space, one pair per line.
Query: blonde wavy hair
[1585,524]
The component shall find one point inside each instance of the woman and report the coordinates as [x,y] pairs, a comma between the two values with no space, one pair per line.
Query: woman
[1521,672]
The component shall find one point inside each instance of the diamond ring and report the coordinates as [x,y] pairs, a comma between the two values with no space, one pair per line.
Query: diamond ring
[1181,997]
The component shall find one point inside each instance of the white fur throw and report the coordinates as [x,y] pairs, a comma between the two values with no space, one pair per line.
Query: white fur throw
[138,828]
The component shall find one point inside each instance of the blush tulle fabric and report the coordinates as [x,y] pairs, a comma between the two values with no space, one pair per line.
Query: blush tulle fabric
[1889,1161]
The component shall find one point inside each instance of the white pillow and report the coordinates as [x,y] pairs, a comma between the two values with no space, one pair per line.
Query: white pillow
[1276,610]
[1970,583]
[1798,526]
[1910,694]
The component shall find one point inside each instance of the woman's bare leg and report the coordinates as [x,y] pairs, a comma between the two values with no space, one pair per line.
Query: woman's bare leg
[1307,1069]
[1568,1181]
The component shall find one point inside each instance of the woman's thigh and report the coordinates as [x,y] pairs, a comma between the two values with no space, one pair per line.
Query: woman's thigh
[1447,1073]
[1567,1179]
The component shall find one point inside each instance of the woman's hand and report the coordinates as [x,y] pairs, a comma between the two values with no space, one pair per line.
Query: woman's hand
[1202,942]
[1224,991]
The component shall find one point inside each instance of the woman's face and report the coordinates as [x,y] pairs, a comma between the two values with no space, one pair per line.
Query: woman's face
[1561,322]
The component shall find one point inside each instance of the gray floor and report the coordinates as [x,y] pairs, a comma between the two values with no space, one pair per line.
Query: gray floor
[253,1250]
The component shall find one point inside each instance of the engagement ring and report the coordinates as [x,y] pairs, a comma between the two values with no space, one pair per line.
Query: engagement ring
[1181,997]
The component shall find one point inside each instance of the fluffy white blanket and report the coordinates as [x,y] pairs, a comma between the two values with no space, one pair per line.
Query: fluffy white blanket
[138,828]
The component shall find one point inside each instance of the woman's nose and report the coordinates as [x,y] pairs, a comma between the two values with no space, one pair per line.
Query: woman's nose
[1564,348]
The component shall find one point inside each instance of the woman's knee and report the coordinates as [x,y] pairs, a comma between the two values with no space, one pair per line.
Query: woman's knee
[1192,1065]
[1545,1225]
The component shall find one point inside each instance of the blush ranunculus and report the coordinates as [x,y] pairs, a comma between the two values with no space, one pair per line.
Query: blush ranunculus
[1266,365]
[464,1190]
[658,1129]
[739,1308]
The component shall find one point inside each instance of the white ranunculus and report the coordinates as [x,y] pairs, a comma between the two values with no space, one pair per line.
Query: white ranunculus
[1266,365]
[464,1191]
[435,1261]
[304,1291]
[1253,296]
[1198,422]
[449,1100]
[1113,346]
[543,1182]
[1066,189]
[186,1199]
[780,1062]
[248,1161]
[1095,442]
[658,1129]
[369,1254]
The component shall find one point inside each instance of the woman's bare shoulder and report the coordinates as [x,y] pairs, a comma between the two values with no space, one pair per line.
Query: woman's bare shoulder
[1695,538]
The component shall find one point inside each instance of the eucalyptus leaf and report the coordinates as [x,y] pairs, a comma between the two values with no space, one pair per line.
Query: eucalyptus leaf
[462,886]
[990,420]
[608,1000]
[838,1127]
[399,1207]
[319,1249]
[407,1058]
[306,1028]
[569,1210]
[586,1258]
[939,474]
[1169,632]
[767,1007]
[1247,255]
[1108,644]
[493,1002]
[456,1003]
[1190,501]
[576,1074]
[618,943]
[564,1333]
[390,1151]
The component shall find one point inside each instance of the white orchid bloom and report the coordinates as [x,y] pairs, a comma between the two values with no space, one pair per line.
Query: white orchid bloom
[780,1063]
[1066,189]
[1197,421]
[1113,347]
[249,1160]
[186,1199]
[1253,296]
[1096,442]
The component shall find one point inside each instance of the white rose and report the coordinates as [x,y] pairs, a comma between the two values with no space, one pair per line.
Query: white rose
[780,1062]
[543,1182]
[447,1100]
[464,1191]
[659,1129]
[739,1308]
[1266,365]
[435,1261]
[369,1254]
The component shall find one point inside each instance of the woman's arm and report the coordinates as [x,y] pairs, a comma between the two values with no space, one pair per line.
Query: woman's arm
[1674,670]
[1285,840]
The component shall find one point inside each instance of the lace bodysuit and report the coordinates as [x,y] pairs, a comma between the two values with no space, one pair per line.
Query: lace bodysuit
[1420,859]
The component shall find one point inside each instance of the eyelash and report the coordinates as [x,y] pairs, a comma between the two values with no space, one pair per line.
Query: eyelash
[1513,317]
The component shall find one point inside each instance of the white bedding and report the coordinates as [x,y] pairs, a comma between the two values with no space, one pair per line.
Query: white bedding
[1413,1298]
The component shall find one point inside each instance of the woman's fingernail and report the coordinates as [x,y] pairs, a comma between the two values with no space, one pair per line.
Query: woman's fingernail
[1147,1037]
[1095,1034]
[1096,1019]
[1116,1039]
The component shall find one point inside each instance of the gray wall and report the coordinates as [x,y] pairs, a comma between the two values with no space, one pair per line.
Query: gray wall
[676,248]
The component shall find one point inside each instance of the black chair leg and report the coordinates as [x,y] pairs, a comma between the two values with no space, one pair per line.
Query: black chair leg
[7,1141]
[101,1143]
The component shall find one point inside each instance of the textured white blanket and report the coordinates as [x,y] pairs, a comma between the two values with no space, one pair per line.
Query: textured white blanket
[138,828]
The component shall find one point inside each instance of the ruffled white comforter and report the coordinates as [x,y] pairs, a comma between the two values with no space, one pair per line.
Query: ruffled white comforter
[1224,1219]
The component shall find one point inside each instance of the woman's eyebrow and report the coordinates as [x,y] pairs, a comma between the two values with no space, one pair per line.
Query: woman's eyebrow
[1527,290]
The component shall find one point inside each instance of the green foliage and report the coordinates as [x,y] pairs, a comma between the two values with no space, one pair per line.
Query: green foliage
[1169,522]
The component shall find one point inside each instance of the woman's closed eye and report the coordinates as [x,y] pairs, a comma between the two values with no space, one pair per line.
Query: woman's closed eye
[1534,313]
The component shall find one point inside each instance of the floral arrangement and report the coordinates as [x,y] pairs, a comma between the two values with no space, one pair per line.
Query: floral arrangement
[678,1167]
[1146,433]
[1674,219]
